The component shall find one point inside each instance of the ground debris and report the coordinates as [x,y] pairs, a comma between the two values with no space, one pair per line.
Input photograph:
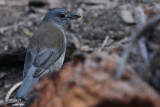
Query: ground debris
[93,84]
[90,79]
[126,13]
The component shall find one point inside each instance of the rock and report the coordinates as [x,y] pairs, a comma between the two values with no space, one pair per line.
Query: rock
[111,4]
[126,14]
[92,84]
[84,48]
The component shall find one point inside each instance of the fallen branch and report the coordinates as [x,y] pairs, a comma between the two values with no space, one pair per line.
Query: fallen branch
[10,101]
[152,23]
[144,51]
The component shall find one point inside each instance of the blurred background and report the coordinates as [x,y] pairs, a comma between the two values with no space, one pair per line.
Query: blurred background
[97,39]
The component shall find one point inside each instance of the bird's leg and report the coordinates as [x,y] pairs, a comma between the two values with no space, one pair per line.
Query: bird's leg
[19,102]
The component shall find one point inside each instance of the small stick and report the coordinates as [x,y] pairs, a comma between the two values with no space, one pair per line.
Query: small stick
[140,17]
[152,23]
[12,90]
[104,43]
[141,20]
[144,51]
[10,101]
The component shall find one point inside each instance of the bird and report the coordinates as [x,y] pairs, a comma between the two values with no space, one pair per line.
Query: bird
[46,50]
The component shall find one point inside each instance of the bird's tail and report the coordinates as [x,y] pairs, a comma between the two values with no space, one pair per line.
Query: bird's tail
[28,82]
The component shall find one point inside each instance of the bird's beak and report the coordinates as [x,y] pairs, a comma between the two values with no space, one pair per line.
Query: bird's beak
[73,16]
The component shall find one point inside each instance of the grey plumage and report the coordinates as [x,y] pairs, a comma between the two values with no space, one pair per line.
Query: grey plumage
[28,83]
[46,50]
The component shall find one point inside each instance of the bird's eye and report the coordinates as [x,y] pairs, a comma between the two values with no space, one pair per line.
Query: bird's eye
[62,15]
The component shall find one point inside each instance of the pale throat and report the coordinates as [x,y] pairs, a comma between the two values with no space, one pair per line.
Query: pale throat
[58,26]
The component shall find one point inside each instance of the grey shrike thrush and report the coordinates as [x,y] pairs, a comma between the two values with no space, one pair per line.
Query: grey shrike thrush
[46,50]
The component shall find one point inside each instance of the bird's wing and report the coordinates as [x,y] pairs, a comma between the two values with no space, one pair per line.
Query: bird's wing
[29,59]
[42,59]
[46,46]
[47,57]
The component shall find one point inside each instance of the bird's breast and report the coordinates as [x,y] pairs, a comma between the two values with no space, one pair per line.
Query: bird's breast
[47,36]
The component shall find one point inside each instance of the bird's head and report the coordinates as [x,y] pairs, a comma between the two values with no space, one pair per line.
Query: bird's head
[60,17]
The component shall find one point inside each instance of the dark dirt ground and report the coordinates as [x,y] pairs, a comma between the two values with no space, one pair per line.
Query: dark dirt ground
[18,22]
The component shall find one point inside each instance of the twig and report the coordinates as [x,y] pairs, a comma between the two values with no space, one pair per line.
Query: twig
[10,101]
[12,90]
[104,43]
[93,1]
[144,51]
[140,17]
[14,103]
[18,104]
[39,10]
[75,41]
[152,23]
[141,20]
